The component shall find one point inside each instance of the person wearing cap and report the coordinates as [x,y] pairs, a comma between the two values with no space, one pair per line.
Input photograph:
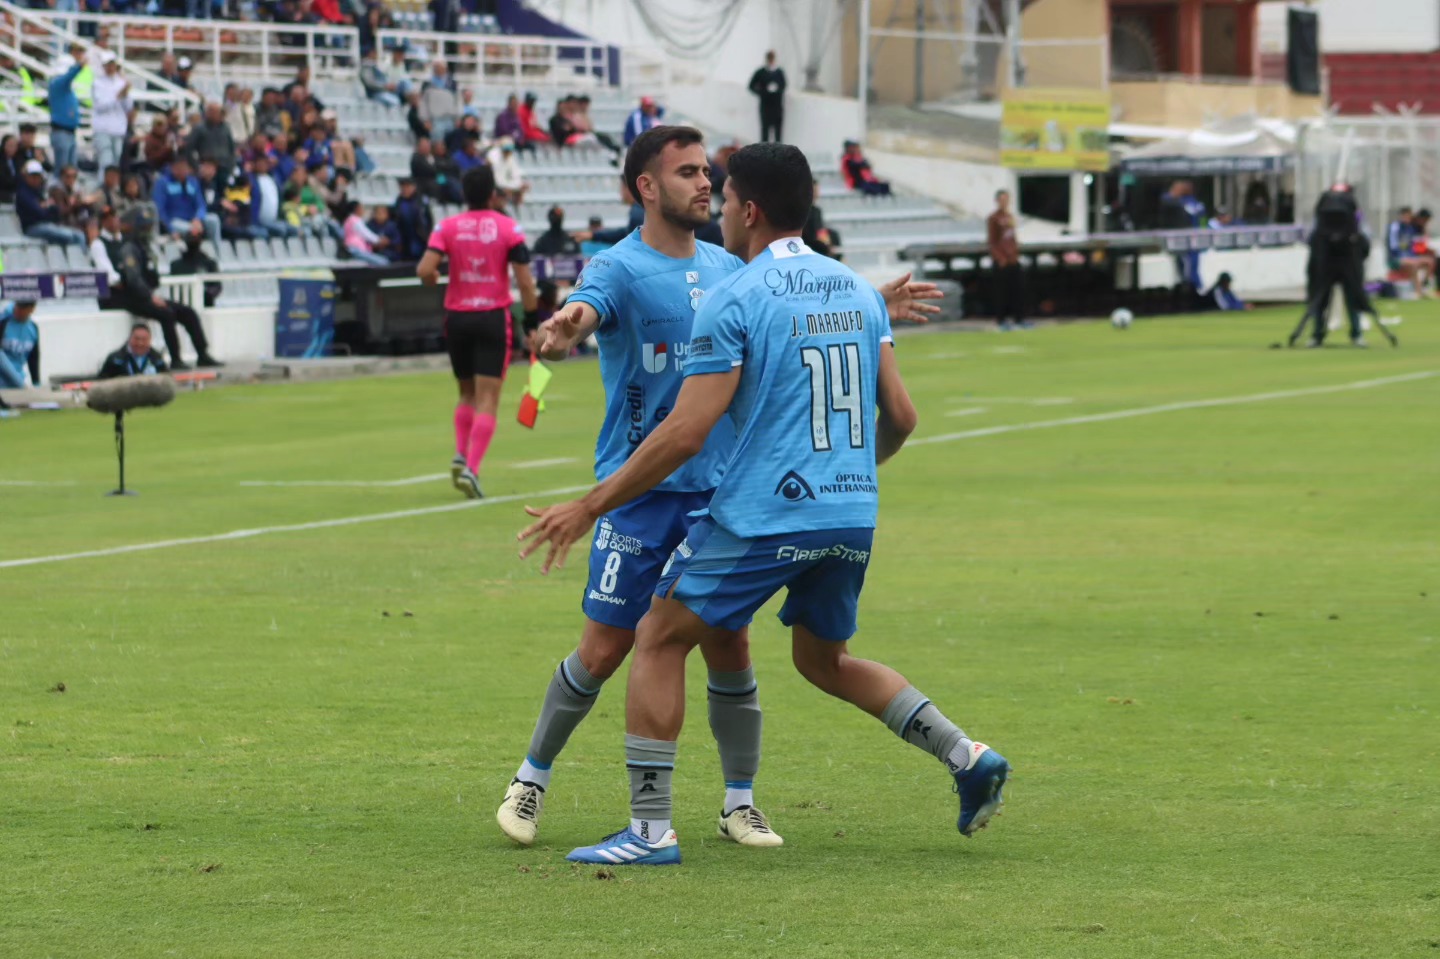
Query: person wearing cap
[531,130]
[510,182]
[110,115]
[40,215]
[137,291]
[647,116]
[65,109]
[180,203]
[19,345]
[768,83]
[413,219]
[183,66]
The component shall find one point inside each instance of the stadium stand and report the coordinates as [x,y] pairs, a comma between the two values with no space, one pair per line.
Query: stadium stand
[583,179]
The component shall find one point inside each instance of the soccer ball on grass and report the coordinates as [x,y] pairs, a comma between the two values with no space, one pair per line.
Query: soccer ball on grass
[1122,318]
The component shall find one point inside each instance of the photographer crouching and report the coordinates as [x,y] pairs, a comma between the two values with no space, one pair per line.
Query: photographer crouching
[125,242]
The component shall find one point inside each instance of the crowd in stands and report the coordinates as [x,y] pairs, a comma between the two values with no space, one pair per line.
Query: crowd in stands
[367,16]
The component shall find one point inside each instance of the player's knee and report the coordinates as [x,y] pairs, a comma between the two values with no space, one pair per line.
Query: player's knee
[820,665]
[728,653]
[603,650]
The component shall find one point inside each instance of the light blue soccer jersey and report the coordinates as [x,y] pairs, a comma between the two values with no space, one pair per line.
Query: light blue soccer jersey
[807,334]
[647,303]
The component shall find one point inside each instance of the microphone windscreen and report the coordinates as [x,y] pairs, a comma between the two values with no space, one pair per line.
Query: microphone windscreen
[130,392]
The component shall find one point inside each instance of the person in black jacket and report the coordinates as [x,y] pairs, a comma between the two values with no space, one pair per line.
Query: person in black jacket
[135,358]
[768,83]
[136,292]
[10,166]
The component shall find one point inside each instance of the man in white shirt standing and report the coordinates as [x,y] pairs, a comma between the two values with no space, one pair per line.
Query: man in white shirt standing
[509,178]
[111,112]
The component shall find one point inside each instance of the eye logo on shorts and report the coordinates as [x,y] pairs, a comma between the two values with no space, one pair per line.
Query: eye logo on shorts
[793,488]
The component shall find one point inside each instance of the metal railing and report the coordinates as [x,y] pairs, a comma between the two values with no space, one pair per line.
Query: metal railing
[36,40]
[516,61]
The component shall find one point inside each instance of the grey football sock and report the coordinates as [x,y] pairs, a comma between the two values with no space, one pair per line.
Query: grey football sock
[915,719]
[571,694]
[736,720]
[651,764]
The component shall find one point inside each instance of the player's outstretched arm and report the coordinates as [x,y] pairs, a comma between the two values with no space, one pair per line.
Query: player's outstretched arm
[904,296]
[429,269]
[703,399]
[570,324]
[897,413]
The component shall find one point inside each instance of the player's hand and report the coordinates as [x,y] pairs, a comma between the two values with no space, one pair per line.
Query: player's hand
[560,526]
[904,296]
[560,333]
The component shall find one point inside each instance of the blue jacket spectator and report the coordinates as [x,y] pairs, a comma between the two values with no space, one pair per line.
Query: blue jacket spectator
[318,153]
[39,216]
[65,111]
[1222,297]
[413,220]
[647,116]
[1400,238]
[19,346]
[178,196]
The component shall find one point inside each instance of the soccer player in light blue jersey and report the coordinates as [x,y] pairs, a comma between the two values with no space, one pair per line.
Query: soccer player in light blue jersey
[798,350]
[639,299]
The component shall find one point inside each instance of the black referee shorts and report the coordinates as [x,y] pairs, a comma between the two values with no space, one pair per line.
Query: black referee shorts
[478,343]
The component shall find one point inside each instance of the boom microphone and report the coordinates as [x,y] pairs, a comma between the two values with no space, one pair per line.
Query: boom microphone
[130,393]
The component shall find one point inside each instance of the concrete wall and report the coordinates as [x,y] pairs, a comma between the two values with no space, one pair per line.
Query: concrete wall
[75,343]
[816,123]
[1180,104]
[921,164]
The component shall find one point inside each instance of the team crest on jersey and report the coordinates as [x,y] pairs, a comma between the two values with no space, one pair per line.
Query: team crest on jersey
[696,294]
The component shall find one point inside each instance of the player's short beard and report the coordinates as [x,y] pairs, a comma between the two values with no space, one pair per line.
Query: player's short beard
[680,213]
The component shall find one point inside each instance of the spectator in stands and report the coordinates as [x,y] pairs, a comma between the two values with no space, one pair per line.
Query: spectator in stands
[240,113]
[11,165]
[360,240]
[720,167]
[532,131]
[212,138]
[136,358]
[234,216]
[508,122]
[176,71]
[510,184]
[159,145]
[374,19]
[446,166]
[137,290]
[469,156]
[111,193]
[378,85]
[647,116]
[467,104]
[19,345]
[555,241]
[65,109]
[413,220]
[768,83]
[333,189]
[562,123]
[385,227]
[39,215]
[298,89]
[1222,297]
[284,163]
[445,15]
[110,113]
[428,177]
[76,206]
[265,200]
[180,204]
[296,102]
[419,127]
[816,235]
[469,127]
[29,150]
[1420,246]
[439,104]
[857,173]
[132,194]
[199,9]
[318,152]
[302,205]
[271,117]
[599,234]
[585,126]
[329,12]
[1400,249]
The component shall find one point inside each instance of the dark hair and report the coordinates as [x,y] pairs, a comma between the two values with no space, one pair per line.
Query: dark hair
[647,148]
[351,207]
[1406,209]
[1424,213]
[1000,193]
[139,325]
[27,128]
[776,178]
[479,186]
[109,168]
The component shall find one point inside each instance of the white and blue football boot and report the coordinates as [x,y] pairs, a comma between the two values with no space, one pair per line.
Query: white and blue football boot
[979,785]
[624,848]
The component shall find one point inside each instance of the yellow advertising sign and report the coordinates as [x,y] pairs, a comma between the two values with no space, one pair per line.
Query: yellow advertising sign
[1055,130]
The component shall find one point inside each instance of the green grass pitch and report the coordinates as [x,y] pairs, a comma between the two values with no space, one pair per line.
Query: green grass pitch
[1207,637]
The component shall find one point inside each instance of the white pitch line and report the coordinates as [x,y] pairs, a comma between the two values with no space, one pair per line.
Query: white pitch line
[972,411]
[37,482]
[1026,400]
[1173,408]
[293,528]
[537,464]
